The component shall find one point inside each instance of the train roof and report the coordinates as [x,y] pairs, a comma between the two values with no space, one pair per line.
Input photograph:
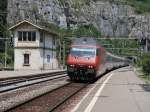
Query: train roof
[91,41]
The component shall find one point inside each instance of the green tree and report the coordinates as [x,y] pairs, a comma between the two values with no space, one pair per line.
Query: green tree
[3,14]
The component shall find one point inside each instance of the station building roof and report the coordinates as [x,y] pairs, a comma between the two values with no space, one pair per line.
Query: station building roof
[34,25]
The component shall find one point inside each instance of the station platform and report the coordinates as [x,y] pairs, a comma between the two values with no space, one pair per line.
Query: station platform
[119,91]
[22,73]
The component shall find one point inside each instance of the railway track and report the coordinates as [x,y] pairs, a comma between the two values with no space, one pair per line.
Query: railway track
[11,84]
[46,101]
[19,96]
[50,101]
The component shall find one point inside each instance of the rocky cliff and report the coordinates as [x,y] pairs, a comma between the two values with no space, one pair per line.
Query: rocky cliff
[110,18]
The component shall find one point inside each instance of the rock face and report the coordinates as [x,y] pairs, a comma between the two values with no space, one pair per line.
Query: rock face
[36,11]
[111,18]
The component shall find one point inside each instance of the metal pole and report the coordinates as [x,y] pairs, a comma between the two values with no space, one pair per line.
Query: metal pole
[60,52]
[44,53]
[5,61]
[63,53]
[5,53]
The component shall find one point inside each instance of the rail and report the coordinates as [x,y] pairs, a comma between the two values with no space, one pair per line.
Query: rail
[11,84]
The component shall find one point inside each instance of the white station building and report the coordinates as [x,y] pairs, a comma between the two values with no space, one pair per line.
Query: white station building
[34,47]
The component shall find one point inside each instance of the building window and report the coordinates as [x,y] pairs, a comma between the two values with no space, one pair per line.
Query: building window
[33,38]
[26,36]
[41,36]
[29,36]
[26,60]
[19,36]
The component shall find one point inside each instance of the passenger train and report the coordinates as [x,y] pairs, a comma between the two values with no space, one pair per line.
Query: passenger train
[86,59]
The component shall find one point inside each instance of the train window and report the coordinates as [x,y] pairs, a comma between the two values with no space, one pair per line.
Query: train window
[97,52]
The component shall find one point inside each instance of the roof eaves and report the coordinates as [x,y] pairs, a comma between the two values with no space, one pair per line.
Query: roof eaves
[49,31]
[24,21]
[39,27]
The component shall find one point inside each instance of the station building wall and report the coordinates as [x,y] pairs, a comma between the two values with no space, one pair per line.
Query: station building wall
[39,59]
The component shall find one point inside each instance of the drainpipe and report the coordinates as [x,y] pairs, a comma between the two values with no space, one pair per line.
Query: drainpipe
[52,52]
[43,51]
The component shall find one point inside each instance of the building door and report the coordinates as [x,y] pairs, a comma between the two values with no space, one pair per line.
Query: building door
[48,58]
[26,60]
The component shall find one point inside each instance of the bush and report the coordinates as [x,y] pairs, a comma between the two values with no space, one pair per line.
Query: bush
[145,63]
[146,66]
[8,57]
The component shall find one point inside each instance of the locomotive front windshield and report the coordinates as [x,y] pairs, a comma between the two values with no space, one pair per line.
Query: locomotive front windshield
[83,52]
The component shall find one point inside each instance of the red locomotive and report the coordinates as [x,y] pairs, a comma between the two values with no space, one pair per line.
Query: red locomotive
[85,59]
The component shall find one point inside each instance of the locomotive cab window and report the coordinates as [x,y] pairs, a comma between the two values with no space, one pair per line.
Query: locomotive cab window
[83,52]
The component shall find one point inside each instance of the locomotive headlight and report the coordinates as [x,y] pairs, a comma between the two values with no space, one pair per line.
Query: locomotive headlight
[72,65]
[90,66]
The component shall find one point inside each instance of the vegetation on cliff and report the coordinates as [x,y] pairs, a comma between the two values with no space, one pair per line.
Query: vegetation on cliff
[3,14]
[141,6]
[4,34]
